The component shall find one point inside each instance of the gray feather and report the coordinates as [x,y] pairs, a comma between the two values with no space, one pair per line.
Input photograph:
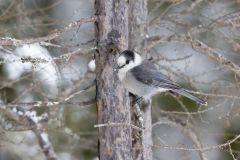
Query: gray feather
[190,96]
[156,78]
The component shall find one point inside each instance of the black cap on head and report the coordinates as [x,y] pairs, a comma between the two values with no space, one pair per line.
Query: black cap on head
[128,54]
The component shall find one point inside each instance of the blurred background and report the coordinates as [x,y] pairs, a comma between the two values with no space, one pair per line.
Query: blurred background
[179,125]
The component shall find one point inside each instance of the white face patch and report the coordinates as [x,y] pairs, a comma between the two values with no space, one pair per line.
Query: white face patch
[138,59]
[121,61]
[126,67]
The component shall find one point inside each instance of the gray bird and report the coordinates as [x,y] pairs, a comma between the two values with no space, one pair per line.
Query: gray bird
[143,79]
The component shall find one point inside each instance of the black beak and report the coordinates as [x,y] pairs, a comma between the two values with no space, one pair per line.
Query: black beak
[116,67]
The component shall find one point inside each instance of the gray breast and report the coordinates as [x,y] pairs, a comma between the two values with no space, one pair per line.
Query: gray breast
[138,88]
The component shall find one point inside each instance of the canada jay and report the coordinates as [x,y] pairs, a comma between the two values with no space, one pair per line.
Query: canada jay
[143,79]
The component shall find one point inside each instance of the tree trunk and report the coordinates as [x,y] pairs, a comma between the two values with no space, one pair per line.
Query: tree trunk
[142,147]
[115,142]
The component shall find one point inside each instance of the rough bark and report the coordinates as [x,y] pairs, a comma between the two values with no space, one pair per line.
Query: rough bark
[112,99]
[142,146]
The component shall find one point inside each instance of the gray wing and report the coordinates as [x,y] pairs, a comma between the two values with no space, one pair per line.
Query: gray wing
[152,76]
[155,78]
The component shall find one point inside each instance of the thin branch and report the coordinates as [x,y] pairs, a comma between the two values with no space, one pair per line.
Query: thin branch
[231,19]
[47,103]
[220,146]
[212,54]
[193,5]
[41,134]
[8,41]
[231,152]
[198,46]
[188,113]
[117,124]
[160,16]
[38,60]
[187,129]
[6,11]
[214,95]
[31,121]
[78,92]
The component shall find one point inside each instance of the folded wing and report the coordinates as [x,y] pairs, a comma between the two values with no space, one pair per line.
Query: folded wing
[156,78]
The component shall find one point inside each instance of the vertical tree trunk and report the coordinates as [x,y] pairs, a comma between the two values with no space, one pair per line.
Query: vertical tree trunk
[113,106]
[115,141]
[142,147]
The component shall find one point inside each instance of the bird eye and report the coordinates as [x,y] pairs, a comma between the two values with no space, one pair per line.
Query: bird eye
[127,61]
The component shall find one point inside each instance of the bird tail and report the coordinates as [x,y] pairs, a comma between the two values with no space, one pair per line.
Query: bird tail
[190,96]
